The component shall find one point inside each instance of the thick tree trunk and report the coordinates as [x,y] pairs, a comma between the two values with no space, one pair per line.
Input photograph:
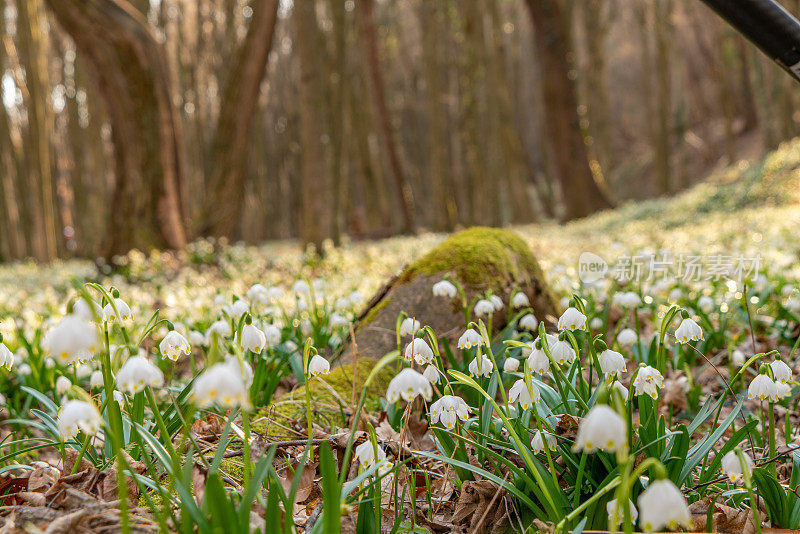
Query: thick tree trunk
[581,194]
[133,78]
[229,154]
[663,140]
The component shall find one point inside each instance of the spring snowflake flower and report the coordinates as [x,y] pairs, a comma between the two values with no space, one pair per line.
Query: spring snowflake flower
[520,300]
[596,323]
[485,368]
[236,309]
[63,384]
[663,505]
[783,390]
[448,409]
[572,319]
[732,467]
[196,338]
[688,331]
[318,366]
[484,308]
[538,362]
[123,309]
[762,388]
[96,380]
[470,338]
[445,288]
[562,352]
[510,365]
[737,358]
[252,339]
[520,394]
[496,301]
[88,311]
[627,336]
[529,322]
[6,356]
[337,320]
[222,383]
[368,455]
[408,384]
[538,444]
[648,380]
[273,335]
[71,340]
[409,327]
[431,374]
[623,391]
[301,287]
[626,299]
[173,345]
[220,328]
[615,515]
[24,370]
[355,298]
[602,428]
[612,362]
[78,415]
[258,293]
[419,351]
[137,373]
[781,371]
[341,304]
[706,303]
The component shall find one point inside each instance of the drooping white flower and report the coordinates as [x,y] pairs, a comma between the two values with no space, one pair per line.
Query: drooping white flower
[623,391]
[78,415]
[24,370]
[252,339]
[221,383]
[236,309]
[96,380]
[538,444]
[520,300]
[496,301]
[572,319]
[273,335]
[355,298]
[483,308]
[173,345]
[196,338]
[83,370]
[470,338]
[732,467]
[538,362]
[648,380]
[762,388]
[616,515]
[596,323]
[407,384]
[88,311]
[258,293]
[71,340]
[705,303]
[369,455]
[337,320]
[431,374]
[663,505]
[445,288]
[783,390]
[483,367]
[562,352]
[626,299]
[612,362]
[341,304]
[220,328]
[123,312]
[529,322]
[419,351]
[627,336]
[63,384]
[523,396]
[409,327]
[737,358]
[781,371]
[301,287]
[448,409]
[510,365]
[318,366]
[602,428]
[6,357]
[688,331]
[137,373]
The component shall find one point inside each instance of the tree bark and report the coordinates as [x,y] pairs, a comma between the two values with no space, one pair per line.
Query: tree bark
[133,79]
[581,194]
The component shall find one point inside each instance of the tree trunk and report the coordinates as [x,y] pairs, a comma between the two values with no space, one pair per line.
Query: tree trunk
[663,140]
[581,194]
[233,133]
[131,73]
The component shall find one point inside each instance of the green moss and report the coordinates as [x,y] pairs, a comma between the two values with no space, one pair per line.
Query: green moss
[232,468]
[327,408]
[373,312]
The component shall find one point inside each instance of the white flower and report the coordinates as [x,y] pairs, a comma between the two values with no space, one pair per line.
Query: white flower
[470,338]
[273,335]
[448,409]
[688,331]
[89,311]
[72,340]
[409,327]
[602,428]
[196,338]
[762,388]
[445,288]
[355,298]
[63,384]
[596,323]
[732,467]
[6,357]
[648,380]
[529,322]
[222,383]
[496,301]
[783,390]
[137,373]
[341,304]
[623,391]
[538,362]
[705,303]
[419,350]
[173,345]
[510,365]
[626,299]
[83,371]
[520,300]
[431,374]
[301,287]
[96,380]
[612,362]
[318,366]
[484,308]
[538,444]
[483,367]
[781,371]
[220,328]
[562,352]
[523,396]
[24,370]
[408,384]
[123,310]
[663,505]
[2,400]
[627,336]
[737,358]
[675,295]
[78,415]
[252,339]
[367,457]
[258,293]
[615,515]
[337,320]
[236,309]
[572,319]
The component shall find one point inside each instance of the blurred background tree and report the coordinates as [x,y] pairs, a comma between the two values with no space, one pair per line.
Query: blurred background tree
[147,123]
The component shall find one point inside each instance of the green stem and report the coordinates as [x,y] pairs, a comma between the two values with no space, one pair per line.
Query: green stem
[771,434]
[748,483]
[166,439]
[587,503]
[246,447]
[84,446]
